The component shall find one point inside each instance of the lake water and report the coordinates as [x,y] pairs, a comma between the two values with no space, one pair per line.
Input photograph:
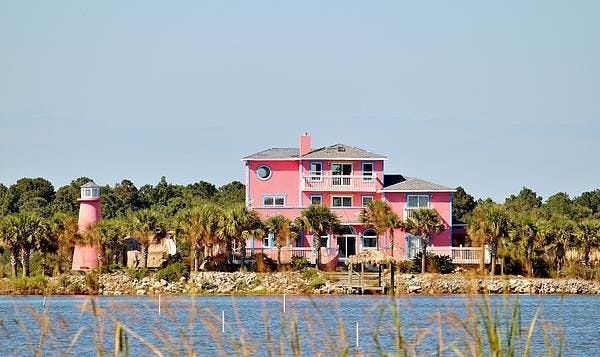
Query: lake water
[257,324]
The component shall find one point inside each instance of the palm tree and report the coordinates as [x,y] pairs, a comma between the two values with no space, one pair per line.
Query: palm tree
[147,223]
[210,216]
[236,224]
[526,235]
[64,229]
[424,222]
[319,220]
[199,225]
[490,225]
[189,224]
[110,238]
[26,227]
[558,234]
[587,233]
[46,242]
[9,240]
[281,228]
[380,215]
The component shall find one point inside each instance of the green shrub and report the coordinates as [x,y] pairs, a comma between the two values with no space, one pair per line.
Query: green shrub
[29,285]
[139,273]
[173,272]
[442,264]
[299,263]
[434,263]
[92,282]
[404,266]
[313,278]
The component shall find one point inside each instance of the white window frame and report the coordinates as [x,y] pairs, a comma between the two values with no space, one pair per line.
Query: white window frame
[365,177]
[274,197]
[270,172]
[364,237]
[269,239]
[342,197]
[418,201]
[362,200]
[316,175]
[344,180]
[315,196]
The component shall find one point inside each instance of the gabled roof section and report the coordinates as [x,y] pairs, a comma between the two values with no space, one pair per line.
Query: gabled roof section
[411,184]
[337,151]
[90,184]
[275,154]
[342,151]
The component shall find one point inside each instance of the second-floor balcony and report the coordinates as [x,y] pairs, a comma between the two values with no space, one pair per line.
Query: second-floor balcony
[340,183]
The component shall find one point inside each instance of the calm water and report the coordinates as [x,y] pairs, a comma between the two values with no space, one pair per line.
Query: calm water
[259,323]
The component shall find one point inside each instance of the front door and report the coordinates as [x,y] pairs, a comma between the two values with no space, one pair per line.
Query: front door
[347,246]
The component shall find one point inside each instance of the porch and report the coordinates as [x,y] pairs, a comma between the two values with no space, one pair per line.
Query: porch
[459,255]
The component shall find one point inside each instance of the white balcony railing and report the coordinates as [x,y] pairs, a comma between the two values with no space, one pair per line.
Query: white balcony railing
[408,211]
[339,183]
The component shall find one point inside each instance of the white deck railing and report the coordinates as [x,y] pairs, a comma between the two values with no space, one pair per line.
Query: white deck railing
[288,252]
[462,255]
[459,255]
[339,183]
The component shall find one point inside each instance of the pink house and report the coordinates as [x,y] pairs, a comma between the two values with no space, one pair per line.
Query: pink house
[345,178]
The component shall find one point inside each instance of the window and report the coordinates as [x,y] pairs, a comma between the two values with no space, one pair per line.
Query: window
[413,245]
[344,170]
[268,240]
[368,171]
[417,201]
[263,172]
[369,238]
[316,200]
[316,171]
[366,200]
[274,201]
[341,201]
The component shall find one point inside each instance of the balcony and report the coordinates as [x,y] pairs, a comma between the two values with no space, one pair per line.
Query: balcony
[409,211]
[340,183]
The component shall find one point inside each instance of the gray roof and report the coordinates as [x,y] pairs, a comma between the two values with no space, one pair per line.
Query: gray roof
[415,184]
[274,153]
[337,151]
[90,184]
[341,151]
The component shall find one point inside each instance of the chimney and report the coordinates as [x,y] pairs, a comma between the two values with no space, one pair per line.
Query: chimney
[305,144]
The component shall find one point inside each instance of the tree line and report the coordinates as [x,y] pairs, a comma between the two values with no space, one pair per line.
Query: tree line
[552,237]
[34,217]
[528,234]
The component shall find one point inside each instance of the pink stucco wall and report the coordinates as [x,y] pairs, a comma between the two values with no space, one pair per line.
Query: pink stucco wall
[440,201]
[86,257]
[89,213]
[284,180]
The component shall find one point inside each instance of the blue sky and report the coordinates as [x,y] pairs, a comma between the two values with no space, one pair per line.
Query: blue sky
[490,96]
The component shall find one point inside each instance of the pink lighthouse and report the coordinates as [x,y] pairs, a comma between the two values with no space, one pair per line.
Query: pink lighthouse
[85,257]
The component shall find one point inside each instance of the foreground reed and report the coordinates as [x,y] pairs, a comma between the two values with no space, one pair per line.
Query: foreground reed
[485,326]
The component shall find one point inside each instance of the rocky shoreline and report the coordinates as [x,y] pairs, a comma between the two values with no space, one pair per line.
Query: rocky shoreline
[292,283]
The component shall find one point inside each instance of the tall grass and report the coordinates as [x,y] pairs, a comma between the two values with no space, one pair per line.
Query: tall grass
[483,328]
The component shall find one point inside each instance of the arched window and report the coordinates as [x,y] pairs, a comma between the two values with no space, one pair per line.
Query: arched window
[369,238]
